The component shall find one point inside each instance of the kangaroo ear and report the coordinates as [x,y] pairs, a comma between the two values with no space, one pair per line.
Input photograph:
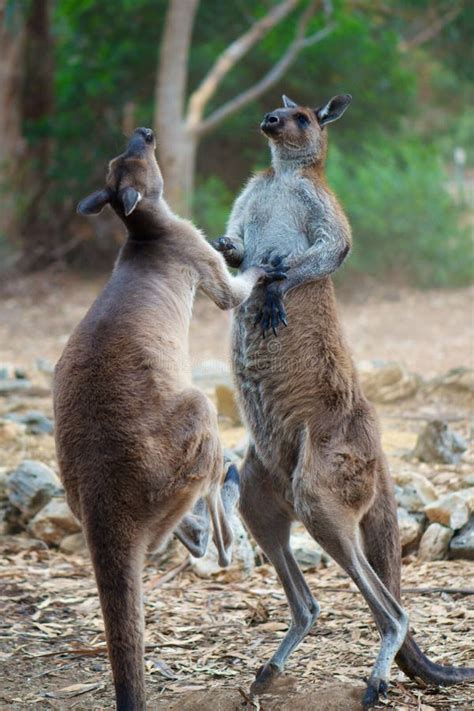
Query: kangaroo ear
[333,110]
[93,204]
[130,199]
[288,103]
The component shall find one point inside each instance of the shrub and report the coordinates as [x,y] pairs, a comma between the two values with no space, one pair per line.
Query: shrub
[404,221]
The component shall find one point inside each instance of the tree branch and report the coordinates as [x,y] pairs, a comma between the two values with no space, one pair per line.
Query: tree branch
[427,33]
[229,58]
[272,77]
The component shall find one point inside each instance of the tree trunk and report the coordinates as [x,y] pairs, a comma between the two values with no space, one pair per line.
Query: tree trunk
[37,230]
[176,145]
[11,143]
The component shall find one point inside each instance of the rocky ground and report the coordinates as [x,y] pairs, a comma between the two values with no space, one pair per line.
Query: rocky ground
[208,630]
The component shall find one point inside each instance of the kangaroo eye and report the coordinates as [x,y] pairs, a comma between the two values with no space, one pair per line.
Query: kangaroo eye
[302,119]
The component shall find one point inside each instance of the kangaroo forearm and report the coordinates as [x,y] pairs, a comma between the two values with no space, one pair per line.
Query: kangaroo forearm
[227,292]
[321,260]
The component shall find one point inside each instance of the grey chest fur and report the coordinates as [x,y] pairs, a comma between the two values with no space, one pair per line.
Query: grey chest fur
[277,217]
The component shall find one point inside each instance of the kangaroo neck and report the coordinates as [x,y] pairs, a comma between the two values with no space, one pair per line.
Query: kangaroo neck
[148,223]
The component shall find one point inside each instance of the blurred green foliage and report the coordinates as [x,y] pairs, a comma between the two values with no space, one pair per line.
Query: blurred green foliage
[409,111]
[403,220]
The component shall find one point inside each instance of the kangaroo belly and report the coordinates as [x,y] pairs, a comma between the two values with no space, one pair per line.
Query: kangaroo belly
[303,376]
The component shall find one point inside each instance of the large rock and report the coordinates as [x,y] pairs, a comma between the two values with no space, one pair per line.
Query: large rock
[73,543]
[434,542]
[35,422]
[451,510]
[54,522]
[457,384]
[31,486]
[413,491]
[462,544]
[243,554]
[385,381]
[468,496]
[410,528]
[437,443]
[305,549]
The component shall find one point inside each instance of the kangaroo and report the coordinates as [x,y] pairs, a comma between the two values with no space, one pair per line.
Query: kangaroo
[137,445]
[314,453]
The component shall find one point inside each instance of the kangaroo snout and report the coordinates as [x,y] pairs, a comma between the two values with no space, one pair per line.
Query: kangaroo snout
[270,123]
[142,139]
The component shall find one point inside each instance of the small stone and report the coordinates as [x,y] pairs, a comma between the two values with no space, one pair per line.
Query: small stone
[227,404]
[8,387]
[414,491]
[409,526]
[36,422]
[305,549]
[462,544]
[54,522]
[11,432]
[73,543]
[385,381]
[44,365]
[437,443]
[434,542]
[451,510]
[11,372]
[31,486]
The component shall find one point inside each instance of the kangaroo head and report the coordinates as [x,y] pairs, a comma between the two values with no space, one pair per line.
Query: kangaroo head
[133,179]
[297,133]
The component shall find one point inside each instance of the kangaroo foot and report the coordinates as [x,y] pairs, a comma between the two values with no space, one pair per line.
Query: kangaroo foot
[264,678]
[375,689]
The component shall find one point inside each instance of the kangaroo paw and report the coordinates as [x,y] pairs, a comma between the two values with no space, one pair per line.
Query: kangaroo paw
[375,689]
[264,678]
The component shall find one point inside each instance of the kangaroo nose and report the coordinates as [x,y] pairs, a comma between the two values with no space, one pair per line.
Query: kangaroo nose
[271,119]
[147,134]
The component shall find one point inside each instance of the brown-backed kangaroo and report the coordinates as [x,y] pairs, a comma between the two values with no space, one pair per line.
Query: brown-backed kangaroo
[137,444]
[315,453]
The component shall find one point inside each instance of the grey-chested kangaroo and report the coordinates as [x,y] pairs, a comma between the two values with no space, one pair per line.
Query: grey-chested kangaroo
[137,444]
[315,452]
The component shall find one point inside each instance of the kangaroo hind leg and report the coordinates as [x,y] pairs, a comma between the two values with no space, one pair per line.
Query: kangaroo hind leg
[330,503]
[269,521]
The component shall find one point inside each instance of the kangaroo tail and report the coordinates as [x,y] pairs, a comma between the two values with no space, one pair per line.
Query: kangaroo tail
[118,569]
[382,545]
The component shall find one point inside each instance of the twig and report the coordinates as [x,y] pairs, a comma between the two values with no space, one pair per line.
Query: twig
[151,585]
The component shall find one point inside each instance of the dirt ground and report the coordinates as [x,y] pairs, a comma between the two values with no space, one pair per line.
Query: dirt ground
[206,637]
